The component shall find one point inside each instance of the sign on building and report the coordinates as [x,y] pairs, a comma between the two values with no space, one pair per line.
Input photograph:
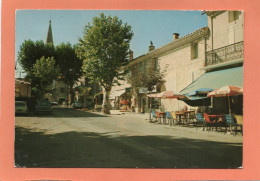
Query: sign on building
[143,90]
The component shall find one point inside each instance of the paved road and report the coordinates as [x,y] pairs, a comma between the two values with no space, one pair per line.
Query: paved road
[73,138]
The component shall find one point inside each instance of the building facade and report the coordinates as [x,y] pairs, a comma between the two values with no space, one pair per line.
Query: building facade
[22,88]
[179,61]
[223,58]
[206,58]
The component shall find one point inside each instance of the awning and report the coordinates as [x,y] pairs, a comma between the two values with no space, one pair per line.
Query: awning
[217,79]
[117,93]
[194,101]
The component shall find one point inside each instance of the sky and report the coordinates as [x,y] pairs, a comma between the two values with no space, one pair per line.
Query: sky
[157,26]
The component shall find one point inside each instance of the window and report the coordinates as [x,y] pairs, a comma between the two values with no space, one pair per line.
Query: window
[156,64]
[194,51]
[233,16]
[61,89]
[142,67]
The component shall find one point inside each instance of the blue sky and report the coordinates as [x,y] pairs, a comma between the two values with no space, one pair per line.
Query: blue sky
[67,25]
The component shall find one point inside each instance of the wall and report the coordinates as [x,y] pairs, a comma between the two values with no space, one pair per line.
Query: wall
[181,70]
[22,90]
[56,94]
[225,32]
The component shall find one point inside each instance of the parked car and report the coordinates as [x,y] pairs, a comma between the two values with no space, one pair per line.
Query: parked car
[77,105]
[43,106]
[54,103]
[21,107]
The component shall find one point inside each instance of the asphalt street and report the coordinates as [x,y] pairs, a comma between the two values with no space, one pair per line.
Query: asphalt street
[79,139]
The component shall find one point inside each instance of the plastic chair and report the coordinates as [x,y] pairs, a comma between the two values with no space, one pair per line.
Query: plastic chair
[159,117]
[154,115]
[174,118]
[200,120]
[239,119]
[209,123]
[230,122]
[169,117]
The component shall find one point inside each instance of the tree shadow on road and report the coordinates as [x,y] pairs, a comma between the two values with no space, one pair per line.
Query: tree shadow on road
[110,150]
[65,112]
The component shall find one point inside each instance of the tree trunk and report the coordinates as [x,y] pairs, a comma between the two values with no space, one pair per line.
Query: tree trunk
[106,103]
[85,101]
[135,94]
[71,93]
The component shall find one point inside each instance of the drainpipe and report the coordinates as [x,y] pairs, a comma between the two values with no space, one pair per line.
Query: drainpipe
[212,37]
[205,50]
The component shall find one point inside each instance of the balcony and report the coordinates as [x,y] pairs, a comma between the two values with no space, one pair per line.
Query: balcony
[225,54]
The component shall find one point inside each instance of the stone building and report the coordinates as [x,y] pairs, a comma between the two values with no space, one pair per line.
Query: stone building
[223,57]
[210,57]
[22,88]
[180,61]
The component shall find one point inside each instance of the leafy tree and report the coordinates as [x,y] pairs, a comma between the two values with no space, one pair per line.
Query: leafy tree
[70,65]
[28,54]
[31,51]
[64,54]
[45,71]
[85,92]
[104,50]
[145,75]
[151,77]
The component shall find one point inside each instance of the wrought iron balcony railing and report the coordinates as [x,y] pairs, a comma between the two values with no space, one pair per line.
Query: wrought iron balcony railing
[225,54]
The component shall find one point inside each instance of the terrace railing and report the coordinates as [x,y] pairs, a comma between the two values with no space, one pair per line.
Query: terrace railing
[225,54]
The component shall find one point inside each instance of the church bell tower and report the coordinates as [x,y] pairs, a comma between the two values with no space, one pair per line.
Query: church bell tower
[49,38]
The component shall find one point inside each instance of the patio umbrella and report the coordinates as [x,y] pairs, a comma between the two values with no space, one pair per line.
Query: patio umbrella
[164,95]
[202,92]
[197,101]
[197,97]
[152,95]
[170,95]
[226,91]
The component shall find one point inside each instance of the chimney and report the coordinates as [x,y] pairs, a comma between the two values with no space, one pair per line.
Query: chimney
[131,55]
[151,47]
[175,36]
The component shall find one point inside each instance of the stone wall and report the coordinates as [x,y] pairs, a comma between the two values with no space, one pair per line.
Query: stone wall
[224,31]
[180,71]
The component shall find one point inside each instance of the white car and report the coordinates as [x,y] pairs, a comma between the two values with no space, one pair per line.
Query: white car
[77,105]
[21,107]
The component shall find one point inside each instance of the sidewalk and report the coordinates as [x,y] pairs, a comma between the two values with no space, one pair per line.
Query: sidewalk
[144,117]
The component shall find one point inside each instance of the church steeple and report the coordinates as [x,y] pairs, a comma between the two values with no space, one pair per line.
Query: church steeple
[49,38]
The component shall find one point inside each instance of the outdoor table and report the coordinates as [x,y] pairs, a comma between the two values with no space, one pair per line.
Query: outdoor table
[162,115]
[216,116]
[180,114]
[188,115]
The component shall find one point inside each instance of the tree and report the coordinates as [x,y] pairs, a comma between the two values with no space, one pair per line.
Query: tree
[45,71]
[70,65]
[84,91]
[145,75]
[31,51]
[28,54]
[104,50]
[64,55]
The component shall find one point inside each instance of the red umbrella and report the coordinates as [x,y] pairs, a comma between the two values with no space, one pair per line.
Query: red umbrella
[226,91]
[124,102]
[170,95]
[153,95]
[166,94]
